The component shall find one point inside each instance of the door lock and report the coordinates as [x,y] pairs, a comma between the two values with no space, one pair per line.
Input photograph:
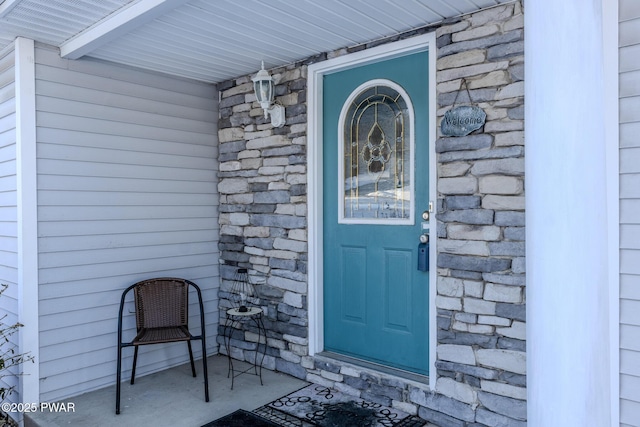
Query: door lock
[425,216]
[423,253]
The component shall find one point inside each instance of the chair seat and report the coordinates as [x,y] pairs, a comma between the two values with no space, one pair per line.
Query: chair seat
[159,335]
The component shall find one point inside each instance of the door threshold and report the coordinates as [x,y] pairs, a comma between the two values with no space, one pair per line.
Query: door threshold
[419,379]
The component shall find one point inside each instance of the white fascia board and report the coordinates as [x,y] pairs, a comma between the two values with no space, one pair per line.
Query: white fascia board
[116,25]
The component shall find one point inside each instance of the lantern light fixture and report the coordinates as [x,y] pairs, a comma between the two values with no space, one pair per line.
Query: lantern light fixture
[264,89]
[243,292]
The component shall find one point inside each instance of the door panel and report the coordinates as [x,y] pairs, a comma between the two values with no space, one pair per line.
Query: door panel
[397,290]
[375,160]
[353,266]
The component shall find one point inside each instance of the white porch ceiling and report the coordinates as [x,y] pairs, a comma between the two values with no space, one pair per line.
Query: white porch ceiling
[215,40]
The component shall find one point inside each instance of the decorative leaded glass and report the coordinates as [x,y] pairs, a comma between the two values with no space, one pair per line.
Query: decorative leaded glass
[377,156]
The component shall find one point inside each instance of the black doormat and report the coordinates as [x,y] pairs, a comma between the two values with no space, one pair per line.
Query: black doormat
[320,406]
[241,418]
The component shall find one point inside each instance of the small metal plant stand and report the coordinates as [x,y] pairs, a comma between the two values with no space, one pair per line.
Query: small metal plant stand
[244,312]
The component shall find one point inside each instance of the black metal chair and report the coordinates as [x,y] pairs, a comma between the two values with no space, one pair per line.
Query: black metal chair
[162,315]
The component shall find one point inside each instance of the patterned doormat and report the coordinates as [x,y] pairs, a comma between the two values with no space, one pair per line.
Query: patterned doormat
[316,405]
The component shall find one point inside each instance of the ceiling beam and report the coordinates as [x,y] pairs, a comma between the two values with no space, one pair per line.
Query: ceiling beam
[6,7]
[116,25]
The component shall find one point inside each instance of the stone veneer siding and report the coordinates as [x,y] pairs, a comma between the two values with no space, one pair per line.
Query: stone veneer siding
[480,378]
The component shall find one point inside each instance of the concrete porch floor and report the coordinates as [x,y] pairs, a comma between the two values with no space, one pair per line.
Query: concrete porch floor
[172,398]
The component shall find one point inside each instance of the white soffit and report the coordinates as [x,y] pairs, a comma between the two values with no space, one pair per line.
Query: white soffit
[51,21]
[217,40]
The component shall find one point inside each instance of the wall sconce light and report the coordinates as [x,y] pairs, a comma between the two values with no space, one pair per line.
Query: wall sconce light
[264,89]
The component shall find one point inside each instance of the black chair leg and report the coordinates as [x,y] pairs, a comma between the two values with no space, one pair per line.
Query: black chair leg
[135,360]
[118,379]
[193,366]
[206,373]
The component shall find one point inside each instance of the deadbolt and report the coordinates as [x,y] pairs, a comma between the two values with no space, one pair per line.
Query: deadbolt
[425,216]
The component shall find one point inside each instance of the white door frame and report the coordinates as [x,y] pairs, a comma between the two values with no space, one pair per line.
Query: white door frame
[315,176]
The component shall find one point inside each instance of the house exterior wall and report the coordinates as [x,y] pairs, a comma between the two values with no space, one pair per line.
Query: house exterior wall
[481,248]
[126,191]
[8,199]
[629,31]
[480,371]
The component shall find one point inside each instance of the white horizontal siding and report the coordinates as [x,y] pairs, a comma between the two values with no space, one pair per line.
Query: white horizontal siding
[126,191]
[8,203]
[629,39]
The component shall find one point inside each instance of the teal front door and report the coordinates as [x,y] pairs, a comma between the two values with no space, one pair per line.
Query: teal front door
[375,193]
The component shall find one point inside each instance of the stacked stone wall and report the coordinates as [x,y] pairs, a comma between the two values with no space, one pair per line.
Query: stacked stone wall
[263,215]
[481,248]
[480,369]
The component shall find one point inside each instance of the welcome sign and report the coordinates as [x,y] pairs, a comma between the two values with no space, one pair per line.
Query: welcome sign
[463,120]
